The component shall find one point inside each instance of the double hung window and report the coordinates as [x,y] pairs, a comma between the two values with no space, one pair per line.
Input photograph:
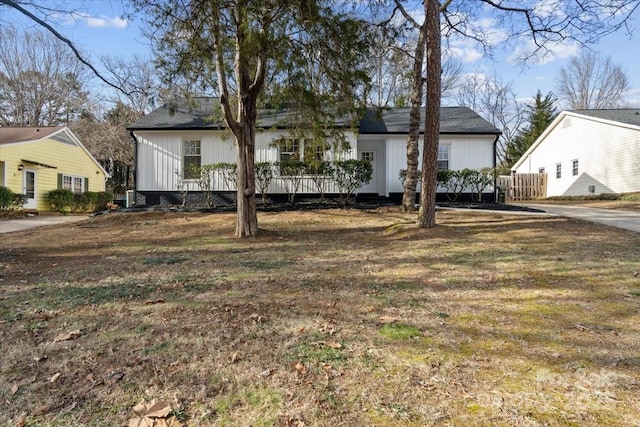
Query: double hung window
[192,158]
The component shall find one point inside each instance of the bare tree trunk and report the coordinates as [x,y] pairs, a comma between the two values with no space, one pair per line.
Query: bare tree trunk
[411,179]
[427,212]
[247,217]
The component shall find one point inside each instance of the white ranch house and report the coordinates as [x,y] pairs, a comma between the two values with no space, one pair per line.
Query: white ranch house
[586,152]
[171,137]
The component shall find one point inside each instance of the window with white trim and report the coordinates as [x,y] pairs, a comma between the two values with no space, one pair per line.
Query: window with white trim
[574,167]
[443,157]
[73,183]
[300,150]
[558,170]
[191,158]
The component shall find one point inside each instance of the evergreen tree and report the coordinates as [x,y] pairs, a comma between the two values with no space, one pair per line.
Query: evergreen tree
[541,113]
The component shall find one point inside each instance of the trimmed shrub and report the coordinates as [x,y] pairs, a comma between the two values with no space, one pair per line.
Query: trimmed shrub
[264,175]
[292,172]
[10,200]
[350,175]
[104,197]
[80,203]
[61,200]
[320,173]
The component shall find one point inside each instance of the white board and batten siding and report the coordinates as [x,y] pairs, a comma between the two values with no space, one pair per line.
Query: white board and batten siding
[162,155]
[465,151]
[607,155]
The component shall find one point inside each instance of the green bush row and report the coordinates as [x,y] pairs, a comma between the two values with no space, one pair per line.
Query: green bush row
[347,175]
[10,200]
[455,182]
[64,201]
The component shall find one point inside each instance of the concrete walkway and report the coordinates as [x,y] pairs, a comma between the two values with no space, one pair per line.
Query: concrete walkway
[21,224]
[628,220]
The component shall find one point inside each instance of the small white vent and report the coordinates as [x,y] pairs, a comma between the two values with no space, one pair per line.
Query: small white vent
[566,122]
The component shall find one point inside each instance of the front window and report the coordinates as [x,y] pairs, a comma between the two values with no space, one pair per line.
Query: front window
[443,157]
[558,170]
[192,159]
[289,150]
[67,182]
[73,183]
[300,150]
[574,167]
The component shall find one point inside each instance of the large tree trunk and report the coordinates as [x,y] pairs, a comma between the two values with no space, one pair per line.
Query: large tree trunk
[411,180]
[427,213]
[247,217]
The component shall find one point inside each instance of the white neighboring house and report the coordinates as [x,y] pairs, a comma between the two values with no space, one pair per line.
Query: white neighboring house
[173,136]
[587,152]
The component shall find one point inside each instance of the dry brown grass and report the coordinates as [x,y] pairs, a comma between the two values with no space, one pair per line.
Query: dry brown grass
[521,321]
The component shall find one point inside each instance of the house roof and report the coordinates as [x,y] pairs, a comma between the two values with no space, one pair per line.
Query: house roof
[198,114]
[453,120]
[13,135]
[630,116]
[10,135]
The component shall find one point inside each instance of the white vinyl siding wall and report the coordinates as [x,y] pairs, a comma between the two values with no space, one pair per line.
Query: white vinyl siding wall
[608,153]
[473,152]
[160,155]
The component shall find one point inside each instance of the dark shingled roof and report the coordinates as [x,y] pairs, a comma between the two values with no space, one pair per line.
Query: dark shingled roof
[453,120]
[198,114]
[630,116]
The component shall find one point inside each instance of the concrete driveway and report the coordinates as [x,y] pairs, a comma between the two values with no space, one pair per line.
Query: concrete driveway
[628,220]
[21,224]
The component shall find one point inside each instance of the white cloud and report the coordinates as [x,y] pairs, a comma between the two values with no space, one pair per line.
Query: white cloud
[466,54]
[553,51]
[632,97]
[103,21]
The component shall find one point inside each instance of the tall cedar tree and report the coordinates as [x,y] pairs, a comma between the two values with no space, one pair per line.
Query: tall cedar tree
[522,22]
[541,113]
[309,52]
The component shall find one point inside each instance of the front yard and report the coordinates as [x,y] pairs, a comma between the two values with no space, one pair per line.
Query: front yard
[329,317]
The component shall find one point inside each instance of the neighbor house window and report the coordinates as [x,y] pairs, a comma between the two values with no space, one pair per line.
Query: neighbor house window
[192,159]
[558,170]
[574,167]
[73,183]
[443,157]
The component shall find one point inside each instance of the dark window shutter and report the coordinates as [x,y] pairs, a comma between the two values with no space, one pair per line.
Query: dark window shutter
[59,181]
[86,184]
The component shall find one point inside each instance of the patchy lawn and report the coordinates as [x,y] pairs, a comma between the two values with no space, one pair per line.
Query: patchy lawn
[327,318]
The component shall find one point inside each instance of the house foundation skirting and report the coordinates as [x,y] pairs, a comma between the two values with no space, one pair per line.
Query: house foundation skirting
[227,198]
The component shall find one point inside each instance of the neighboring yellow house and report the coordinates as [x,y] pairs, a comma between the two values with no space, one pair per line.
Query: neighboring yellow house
[36,160]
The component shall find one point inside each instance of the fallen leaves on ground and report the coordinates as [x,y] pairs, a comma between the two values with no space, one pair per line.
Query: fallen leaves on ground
[66,336]
[153,414]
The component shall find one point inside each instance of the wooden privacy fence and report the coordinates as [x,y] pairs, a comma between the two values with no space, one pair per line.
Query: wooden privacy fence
[523,186]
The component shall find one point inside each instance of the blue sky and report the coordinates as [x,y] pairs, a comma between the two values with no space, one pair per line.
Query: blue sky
[97,29]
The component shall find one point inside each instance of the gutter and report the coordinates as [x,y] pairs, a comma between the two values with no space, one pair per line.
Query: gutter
[135,167]
[495,165]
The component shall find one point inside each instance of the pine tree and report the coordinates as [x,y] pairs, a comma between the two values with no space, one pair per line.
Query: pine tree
[541,113]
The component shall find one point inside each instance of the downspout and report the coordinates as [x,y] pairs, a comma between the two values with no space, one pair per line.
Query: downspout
[135,167]
[495,165]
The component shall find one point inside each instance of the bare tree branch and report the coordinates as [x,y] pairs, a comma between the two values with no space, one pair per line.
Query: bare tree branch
[13,4]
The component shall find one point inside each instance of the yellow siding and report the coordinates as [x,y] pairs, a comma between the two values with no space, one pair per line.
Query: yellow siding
[68,159]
